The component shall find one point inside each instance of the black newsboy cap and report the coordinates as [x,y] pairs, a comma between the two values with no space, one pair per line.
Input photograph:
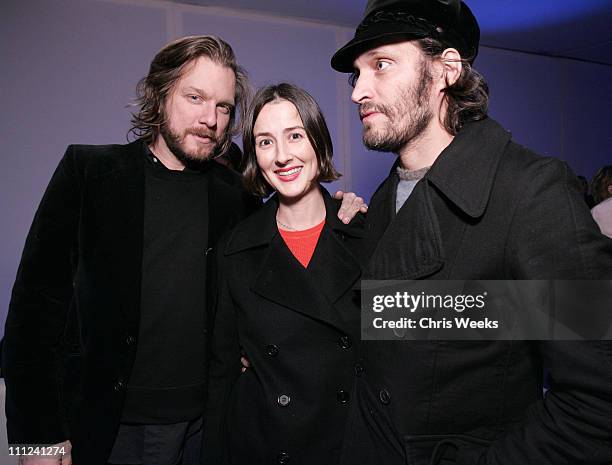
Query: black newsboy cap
[385,21]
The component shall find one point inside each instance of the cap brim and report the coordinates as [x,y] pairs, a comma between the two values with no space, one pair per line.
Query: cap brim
[343,59]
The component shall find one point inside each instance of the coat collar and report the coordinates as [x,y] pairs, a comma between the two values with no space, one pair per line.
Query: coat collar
[332,272]
[465,171]
[410,245]
[260,228]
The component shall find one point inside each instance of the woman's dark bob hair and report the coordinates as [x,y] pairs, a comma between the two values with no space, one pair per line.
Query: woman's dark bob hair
[314,125]
[600,186]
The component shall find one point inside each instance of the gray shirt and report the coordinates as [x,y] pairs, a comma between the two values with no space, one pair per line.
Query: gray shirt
[408,179]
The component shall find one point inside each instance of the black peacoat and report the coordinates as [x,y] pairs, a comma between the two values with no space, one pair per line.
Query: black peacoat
[83,256]
[487,209]
[299,329]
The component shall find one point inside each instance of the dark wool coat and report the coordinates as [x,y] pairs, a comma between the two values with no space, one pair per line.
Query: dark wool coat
[84,255]
[299,329]
[487,209]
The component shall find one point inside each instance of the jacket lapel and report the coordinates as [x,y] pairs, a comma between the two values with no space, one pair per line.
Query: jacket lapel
[465,171]
[410,247]
[283,280]
[333,267]
[126,196]
[381,212]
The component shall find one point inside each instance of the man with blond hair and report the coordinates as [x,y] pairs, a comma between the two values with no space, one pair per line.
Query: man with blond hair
[117,262]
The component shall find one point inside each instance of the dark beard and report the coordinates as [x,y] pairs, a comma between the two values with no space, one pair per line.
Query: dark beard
[412,102]
[190,160]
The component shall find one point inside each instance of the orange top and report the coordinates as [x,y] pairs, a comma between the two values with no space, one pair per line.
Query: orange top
[302,243]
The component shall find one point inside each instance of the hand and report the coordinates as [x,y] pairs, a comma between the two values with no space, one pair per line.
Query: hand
[351,204]
[245,364]
[65,459]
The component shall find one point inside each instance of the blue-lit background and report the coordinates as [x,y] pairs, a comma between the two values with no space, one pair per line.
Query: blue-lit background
[504,15]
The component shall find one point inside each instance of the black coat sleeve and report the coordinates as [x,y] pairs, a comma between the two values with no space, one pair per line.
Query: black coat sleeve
[554,237]
[37,314]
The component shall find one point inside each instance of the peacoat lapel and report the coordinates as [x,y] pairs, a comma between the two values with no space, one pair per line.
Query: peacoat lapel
[408,245]
[333,268]
[465,171]
[281,279]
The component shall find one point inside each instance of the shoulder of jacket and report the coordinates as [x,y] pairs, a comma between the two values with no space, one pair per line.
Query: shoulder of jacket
[82,154]
[88,162]
[93,151]
[523,163]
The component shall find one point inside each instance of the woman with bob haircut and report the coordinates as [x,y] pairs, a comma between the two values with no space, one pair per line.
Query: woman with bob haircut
[601,188]
[287,299]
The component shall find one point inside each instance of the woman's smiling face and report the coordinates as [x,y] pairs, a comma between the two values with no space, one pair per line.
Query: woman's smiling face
[285,155]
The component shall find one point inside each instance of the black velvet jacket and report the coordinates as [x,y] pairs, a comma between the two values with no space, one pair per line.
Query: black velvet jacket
[84,255]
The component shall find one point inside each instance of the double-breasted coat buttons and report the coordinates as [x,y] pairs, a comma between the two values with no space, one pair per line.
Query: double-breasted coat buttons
[358,369]
[342,396]
[345,342]
[119,385]
[272,350]
[384,396]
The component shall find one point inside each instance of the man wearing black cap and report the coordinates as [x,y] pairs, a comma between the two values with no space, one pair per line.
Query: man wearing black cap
[465,202]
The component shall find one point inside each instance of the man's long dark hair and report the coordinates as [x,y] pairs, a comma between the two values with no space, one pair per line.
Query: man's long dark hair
[468,97]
